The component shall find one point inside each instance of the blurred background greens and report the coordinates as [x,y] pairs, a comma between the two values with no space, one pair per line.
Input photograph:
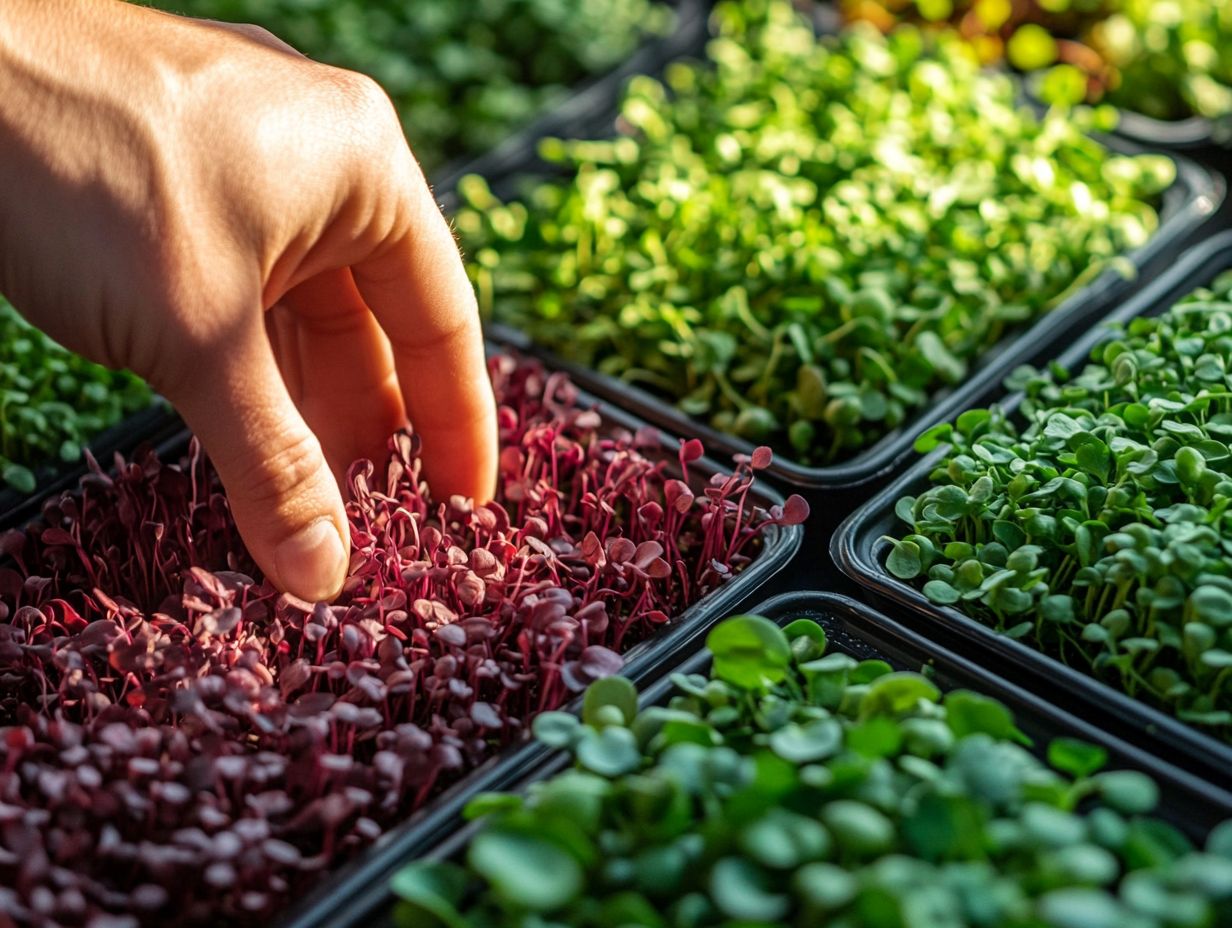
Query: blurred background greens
[463,73]
[52,401]
[1168,59]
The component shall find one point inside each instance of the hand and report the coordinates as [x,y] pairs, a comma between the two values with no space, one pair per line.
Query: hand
[247,230]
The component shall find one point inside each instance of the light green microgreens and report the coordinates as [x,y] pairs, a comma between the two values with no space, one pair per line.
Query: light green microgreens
[1173,57]
[801,241]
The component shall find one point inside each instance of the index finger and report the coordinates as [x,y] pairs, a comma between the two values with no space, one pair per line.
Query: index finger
[418,290]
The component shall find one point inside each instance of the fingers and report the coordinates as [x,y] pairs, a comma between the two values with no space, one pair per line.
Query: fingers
[344,380]
[419,292]
[285,501]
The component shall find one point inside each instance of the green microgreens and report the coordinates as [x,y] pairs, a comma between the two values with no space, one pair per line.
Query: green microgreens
[801,240]
[52,401]
[1096,524]
[798,787]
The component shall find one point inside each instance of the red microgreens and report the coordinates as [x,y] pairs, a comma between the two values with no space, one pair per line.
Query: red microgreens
[186,746]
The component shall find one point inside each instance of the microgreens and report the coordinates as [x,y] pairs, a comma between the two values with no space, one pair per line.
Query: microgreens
[1095,524]
[799,786]
[183,743]
[802,240]
[463,73]
[52,402]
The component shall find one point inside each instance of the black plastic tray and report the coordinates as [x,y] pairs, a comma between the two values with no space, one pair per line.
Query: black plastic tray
[358,886]
[1189,803]
[1180,135]
[1186,205]
[355,889]
[341,895]
[858,550]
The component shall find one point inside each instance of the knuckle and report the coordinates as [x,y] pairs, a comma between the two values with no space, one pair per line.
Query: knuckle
[276,479]
[261,34]
[370,105]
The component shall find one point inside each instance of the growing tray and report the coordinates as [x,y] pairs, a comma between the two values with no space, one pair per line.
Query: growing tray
[1180,134]
[340,896]
[859,552]
[1189,803]
[1186,205]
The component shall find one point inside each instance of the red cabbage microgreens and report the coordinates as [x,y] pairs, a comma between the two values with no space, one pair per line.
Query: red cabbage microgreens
[186,746]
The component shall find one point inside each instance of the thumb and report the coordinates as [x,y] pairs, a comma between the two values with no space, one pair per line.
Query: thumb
[285,501]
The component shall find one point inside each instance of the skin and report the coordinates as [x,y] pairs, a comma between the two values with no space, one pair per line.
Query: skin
[246,229]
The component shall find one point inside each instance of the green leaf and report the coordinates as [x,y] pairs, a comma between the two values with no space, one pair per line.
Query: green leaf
[1095,458]
[940,592]
[904,560]
[802,744]
[968,713]
[824,887]
[741,892]
[807,637]
[946,827]
[1128,791]
[610,752]
[19,478]
[858,829]
[1075,907]
[783,840]
[898,693]
[1031,47]
[608,693]
[876,737]
[430,888]
[1076,758]
[557,729]
[933,350]
[933,438]
[750,652]
[528,872]
[490,804]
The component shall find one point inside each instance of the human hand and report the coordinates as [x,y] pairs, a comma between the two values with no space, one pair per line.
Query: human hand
[247,230]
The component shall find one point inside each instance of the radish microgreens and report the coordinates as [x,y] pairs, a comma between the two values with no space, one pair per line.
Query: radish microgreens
[183,745]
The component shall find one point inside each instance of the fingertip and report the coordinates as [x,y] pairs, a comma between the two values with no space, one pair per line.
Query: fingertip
[312,563]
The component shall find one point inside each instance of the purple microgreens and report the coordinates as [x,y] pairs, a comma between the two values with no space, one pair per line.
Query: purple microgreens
[184,745]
